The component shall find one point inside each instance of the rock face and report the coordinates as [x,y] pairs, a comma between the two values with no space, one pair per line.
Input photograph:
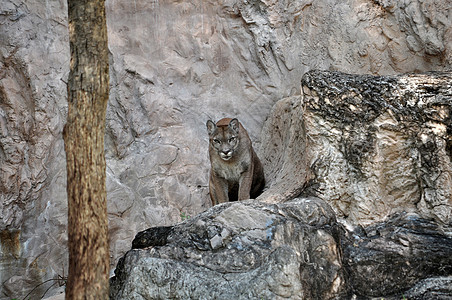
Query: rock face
[381,144]
[291,250]
[33,69]
[175,64]
[369,145]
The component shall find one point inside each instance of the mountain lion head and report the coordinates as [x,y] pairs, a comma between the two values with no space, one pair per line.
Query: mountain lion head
[224,137]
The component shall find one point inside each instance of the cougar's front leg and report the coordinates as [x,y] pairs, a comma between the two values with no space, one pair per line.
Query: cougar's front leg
[218,190]
[245,183]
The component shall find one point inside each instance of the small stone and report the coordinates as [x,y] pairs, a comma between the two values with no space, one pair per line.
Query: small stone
[216,242]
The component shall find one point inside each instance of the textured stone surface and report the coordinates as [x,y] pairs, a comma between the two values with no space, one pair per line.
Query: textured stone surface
[431,288]
[174,64]
[369,145]
[243,250]
[394,255]
[291,250]
[283,151]
[379,145]
[34,61]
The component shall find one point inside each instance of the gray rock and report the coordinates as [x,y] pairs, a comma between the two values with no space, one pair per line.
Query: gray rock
[431,288]
[283,151]
[395,257]
[291,250]
[241,250]
[379,145]
[369,145]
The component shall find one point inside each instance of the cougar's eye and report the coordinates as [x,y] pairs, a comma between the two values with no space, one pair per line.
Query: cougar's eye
[217,141]
[232,140]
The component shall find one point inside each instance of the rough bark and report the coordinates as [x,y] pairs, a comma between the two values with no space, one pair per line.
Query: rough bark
[88,87]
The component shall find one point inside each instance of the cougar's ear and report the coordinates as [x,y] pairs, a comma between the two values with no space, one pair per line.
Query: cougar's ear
[234,125]
[210,127]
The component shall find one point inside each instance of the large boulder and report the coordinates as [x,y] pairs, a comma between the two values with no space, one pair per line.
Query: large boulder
[404,255]
[368,145]
[241,250]
[379,145]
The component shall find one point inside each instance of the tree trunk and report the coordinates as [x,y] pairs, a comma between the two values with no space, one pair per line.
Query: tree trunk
[88,87]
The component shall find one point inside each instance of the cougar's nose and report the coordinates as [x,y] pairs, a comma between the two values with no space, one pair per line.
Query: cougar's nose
[227,151]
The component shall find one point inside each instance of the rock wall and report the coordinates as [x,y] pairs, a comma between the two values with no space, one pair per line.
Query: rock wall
[34,63]
[369,145]
[174,64]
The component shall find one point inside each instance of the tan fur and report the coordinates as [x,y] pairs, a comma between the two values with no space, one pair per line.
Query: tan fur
[236,171]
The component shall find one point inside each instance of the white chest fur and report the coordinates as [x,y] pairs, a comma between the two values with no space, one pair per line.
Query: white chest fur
[230,172]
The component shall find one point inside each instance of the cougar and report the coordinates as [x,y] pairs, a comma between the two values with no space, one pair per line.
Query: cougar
[236,171]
